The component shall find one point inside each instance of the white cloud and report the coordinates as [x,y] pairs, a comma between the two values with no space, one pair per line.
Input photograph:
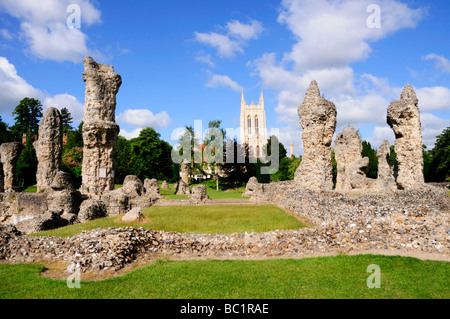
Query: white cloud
[432,126]
[43,27]
[434,98]
[227,45]
[13,88]
[223,80]
[335,33]
[142,118]
[206,58]
[129,135]
[245,31]
[6,34]
[442,63]
[68,101]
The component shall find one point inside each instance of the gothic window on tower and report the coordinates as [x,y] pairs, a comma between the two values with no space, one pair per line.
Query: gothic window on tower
[256,125]
[257,151]
[249,124]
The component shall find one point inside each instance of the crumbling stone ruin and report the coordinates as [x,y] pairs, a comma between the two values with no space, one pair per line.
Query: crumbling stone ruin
[165,185]
[184,172]
[351,166]
[48,148]
[181,188]
[9,154]
[199,194]
[403,116]
[100,132]
[151,188]
[62,198]
[318,120]
[385,178]
[134,215]
[2,177]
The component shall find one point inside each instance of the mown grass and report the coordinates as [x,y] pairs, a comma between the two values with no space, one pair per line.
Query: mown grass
[324,277]
[199,219]
[212,193]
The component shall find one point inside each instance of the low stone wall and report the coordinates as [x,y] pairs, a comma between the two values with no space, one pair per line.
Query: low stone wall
[404,221]
[15,207]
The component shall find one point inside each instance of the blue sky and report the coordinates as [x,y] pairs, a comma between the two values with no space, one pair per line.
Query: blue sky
[188,60]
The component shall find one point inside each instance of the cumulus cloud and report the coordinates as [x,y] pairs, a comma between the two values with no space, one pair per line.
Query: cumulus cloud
[442,63]
[237,35]
[14,88]
[129,135]
[223,80]
[75,107]
[44,27]
[142,118]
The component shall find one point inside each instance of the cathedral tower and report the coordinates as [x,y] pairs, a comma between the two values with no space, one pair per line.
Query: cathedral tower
[253,126]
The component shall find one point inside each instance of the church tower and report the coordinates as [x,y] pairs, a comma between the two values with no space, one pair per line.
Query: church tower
[253,126]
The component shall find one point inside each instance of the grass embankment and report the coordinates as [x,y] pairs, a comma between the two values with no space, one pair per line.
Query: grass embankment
[323,277]
[198,219]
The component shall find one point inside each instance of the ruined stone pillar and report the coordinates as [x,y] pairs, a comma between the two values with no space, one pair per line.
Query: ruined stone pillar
[48,148]
[318,119]
[403,116]
[385,178]
[2,186]
[351,166]
[184,169]
[9,154]
[100,131]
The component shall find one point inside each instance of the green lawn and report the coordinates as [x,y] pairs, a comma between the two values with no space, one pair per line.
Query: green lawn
[323,277]
[199,219]
[213,193]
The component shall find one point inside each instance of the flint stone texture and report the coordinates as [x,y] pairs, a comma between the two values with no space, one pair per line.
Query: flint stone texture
[199,194]
[385,178]
[48,221]
[318,120]
[9,154]
[48,148]
[351,166]
[62,197]
[181,188]
[132,186]
[100,131]
[252,188]
[403,116]
[134,215]
[151,187]
[2,177]
[91,209]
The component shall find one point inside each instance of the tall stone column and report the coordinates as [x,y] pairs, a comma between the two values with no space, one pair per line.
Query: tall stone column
[184,169]
[318,119]
[100,131]
[49,148]
[9,154]
[403,116]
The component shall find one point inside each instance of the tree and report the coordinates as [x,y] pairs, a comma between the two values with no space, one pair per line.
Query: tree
[27,163]
[27,116]
[75,138]
[5,134]
[282,153]
[67,119]
[439,169]
[368,151]
[237,170]
[123,159]
[151,157]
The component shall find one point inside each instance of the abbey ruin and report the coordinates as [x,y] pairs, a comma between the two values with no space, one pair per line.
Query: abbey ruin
[396,211]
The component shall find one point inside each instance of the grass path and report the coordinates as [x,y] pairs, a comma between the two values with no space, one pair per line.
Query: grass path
[323,277]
